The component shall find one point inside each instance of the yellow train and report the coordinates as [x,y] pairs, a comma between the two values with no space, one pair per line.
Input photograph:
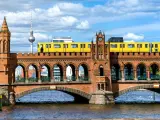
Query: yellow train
[85,46]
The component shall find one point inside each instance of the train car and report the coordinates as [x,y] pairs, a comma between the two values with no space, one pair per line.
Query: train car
[64,47]
[85,46]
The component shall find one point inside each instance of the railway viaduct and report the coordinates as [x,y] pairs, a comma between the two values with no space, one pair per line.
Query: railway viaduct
[107,75]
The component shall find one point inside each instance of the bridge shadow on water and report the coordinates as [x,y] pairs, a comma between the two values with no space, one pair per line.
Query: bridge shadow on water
[139,96]
[50,97]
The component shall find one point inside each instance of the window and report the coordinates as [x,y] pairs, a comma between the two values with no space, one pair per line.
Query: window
[139,45]
[74,46]
[82,45]
[89,45]
[156,45]
[130,45]
[65,46]
[122,45]
[113,45]
[99,38]
[57,45]
[146,45]
[48,45]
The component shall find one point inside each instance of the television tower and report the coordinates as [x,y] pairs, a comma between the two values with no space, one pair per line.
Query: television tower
[31,37]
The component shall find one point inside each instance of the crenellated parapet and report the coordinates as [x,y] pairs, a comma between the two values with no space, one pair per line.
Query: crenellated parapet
[57,54]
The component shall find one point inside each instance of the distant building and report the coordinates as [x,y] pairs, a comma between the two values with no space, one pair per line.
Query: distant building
[62,39]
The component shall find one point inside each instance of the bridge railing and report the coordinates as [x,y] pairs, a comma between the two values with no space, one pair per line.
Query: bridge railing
[32,79]
[142,77]
[71,78]
[55,79]
[20,80]
[83,78]
[129,77]
[45,79]
[155,77]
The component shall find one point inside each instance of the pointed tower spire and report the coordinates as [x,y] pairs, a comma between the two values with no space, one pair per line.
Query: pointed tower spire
[4,25]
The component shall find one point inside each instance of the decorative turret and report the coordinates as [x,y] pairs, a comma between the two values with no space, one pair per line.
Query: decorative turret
[4,25]
[5,38]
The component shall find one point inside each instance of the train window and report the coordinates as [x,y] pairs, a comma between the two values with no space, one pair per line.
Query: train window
[82,45]
[46,45]
[57,45]
[74,45]
[65,46]
[113,45]
[156,45]
[146,45]
[122,45]
[130,45]
[139,45]
[89,45]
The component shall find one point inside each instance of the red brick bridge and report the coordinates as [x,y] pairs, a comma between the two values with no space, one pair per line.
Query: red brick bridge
[106,74]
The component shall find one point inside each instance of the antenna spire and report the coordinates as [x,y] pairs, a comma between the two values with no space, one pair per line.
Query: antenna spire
[31,37]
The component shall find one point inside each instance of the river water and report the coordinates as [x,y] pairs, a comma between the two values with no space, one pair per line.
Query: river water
[83,111]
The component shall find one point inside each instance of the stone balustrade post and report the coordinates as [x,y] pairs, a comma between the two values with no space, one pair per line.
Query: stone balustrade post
[77,75]
[26,75]
[39,76]
[122,73]
[64,76]
[135,75]
[52,75]
[148,75]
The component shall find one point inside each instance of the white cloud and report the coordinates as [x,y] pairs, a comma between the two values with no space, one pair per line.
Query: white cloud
[83,25]
[133,37]
[50,16]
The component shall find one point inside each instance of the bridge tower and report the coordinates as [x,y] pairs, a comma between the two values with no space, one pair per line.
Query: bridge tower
[5,72]
[100,52]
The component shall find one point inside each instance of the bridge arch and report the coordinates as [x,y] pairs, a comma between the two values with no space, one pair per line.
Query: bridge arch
[141,71]
[19,73]
[82,96]
[119,93]
[83,71]
[58,72]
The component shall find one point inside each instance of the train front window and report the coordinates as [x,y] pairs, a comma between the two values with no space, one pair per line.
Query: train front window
[89,45]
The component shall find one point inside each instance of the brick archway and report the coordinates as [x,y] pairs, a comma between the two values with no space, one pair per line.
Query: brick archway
[64,89]
[119,93]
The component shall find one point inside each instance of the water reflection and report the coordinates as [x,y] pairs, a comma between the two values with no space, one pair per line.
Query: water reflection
[47,96]
[139,96]
[83,111]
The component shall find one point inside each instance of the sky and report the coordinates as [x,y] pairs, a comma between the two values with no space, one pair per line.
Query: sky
[135,20]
